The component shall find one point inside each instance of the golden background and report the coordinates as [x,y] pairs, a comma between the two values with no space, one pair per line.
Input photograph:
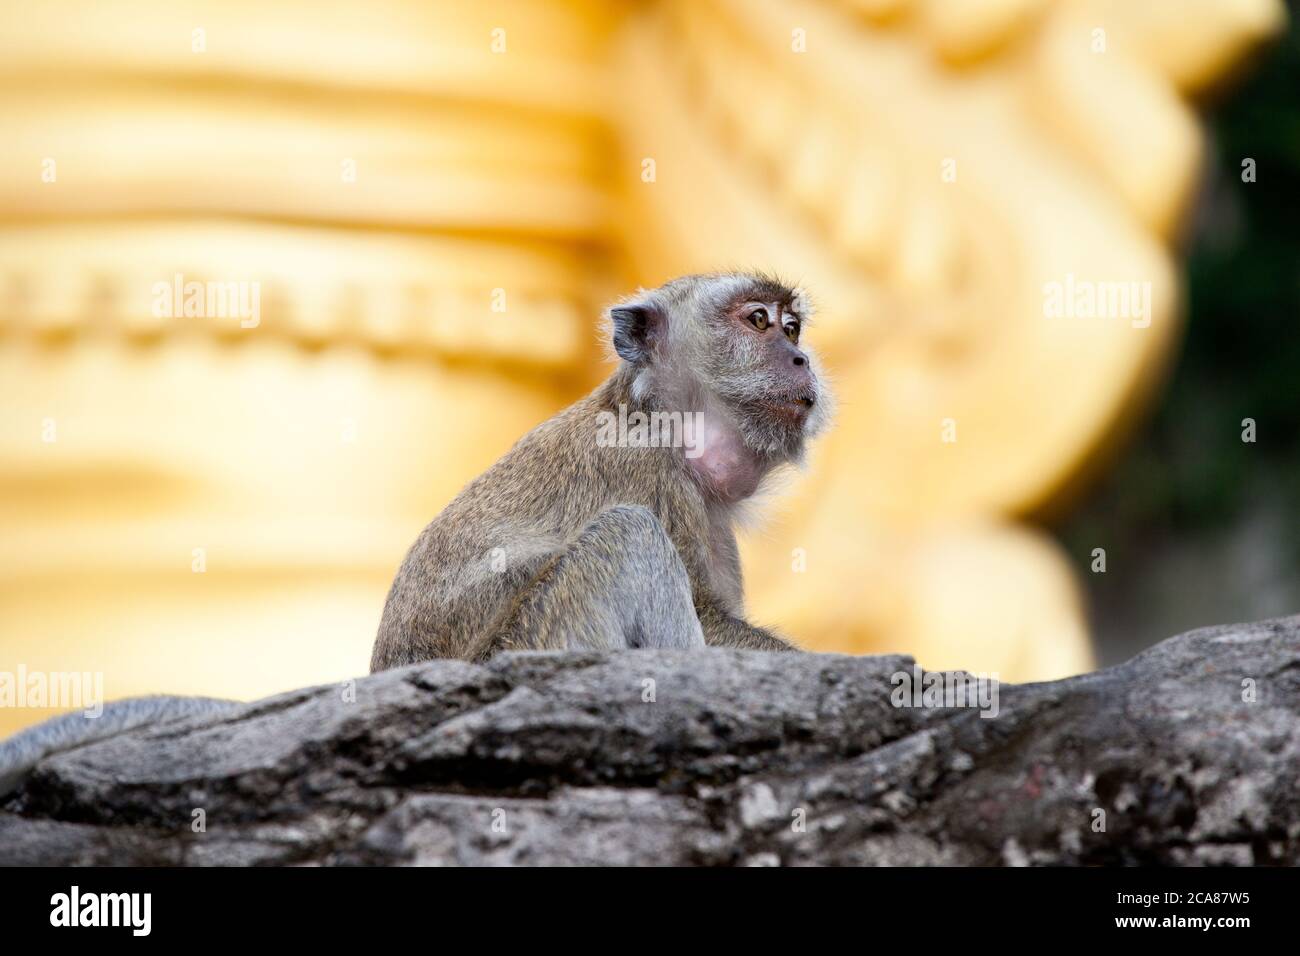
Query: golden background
[436,199]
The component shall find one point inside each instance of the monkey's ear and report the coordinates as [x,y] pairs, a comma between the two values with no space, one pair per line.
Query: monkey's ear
[636,325]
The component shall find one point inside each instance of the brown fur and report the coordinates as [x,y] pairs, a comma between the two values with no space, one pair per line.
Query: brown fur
[563,540]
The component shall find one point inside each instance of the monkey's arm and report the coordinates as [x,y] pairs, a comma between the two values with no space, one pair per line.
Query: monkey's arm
[722,629]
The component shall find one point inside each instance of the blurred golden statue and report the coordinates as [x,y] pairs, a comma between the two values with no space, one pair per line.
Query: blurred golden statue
[275,280]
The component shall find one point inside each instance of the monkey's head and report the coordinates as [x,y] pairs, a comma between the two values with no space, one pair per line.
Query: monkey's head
[732,342]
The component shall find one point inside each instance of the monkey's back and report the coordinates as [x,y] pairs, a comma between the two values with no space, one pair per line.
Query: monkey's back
[469,565]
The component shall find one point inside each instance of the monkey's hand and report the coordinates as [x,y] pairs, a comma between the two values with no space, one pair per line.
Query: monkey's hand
[722,629]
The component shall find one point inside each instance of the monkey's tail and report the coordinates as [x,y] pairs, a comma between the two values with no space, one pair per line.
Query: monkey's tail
[25,749]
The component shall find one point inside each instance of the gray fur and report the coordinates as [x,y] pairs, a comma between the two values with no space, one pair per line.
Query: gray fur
[21,752]
[595,590]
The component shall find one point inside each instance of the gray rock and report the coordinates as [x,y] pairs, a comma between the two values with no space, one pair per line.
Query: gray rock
[1188,754]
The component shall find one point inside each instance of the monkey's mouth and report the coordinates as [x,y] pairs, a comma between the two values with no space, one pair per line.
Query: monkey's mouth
[792,408]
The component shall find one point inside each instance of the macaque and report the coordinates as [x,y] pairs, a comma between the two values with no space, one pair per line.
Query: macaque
[612,524]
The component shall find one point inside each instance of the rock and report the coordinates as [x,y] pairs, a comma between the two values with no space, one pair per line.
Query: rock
[1188,754]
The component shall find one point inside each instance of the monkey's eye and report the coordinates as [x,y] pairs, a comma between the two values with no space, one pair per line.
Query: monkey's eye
[759,319]
[792,331]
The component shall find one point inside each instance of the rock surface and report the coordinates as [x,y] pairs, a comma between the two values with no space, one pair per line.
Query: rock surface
[1188,754]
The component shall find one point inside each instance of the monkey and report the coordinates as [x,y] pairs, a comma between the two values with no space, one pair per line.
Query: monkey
[582,536]
[589,536]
